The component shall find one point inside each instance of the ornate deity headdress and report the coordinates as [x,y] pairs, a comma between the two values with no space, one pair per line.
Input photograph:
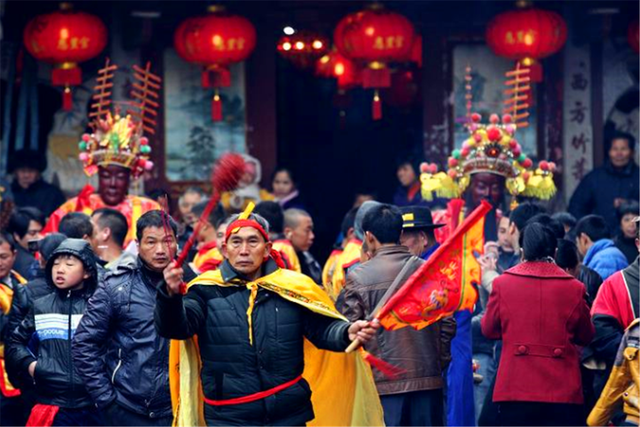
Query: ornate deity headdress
[118,138]
[492,148]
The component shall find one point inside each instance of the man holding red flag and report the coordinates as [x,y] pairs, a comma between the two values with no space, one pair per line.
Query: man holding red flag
[415,396]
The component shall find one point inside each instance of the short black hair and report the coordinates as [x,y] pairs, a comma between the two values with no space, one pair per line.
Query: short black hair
[6,238]
[20,219]
[384,221]
[348,221]
[216,216]
[619,135]
[538,242]
[627,208]
[289,172]
[115,221]
[593,226]
[159,193]
[567,255]
[523,213]
[76,225]
[553,224]
[155,218]
[273,213]
[566,219]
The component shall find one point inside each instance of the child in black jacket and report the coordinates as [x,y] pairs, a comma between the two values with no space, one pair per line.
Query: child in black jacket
[50,325]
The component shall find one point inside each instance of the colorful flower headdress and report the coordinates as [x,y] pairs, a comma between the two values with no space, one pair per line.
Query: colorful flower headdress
[492,148]
[118,139]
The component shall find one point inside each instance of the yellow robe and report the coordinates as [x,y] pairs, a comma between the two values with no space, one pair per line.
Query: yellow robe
[288,252]
[343,389]
[348,257]
[6,298]
[329,268]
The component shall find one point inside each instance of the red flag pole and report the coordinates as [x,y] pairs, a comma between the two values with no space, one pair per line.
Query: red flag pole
[417,275]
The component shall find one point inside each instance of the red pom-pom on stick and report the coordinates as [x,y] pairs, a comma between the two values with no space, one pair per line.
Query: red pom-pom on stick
[226,176]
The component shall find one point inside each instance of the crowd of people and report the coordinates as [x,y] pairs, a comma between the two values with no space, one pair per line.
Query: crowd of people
[101,326]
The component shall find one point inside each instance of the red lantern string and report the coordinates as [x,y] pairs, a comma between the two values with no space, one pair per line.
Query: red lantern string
[216,107]
[376,106]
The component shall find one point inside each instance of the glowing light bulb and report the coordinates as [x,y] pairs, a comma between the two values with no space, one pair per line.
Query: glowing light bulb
[317,44]
[288,30]
[286,46]
[299,45]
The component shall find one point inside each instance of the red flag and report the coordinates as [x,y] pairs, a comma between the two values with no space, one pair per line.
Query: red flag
[443,284]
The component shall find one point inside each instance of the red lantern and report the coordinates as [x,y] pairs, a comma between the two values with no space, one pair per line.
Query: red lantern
[303,48]
[65,38]
[527,35]
[416,51]
[374,38]
[333,65]
[215,41]
[633,36]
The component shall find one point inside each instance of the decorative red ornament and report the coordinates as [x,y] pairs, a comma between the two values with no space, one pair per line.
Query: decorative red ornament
[633,36]
[475,117]
[493,134]
[527,35]
[303,48]
[65,38]
[543,165]
[453,162]
[527,163]
[375,37]
[215,41]
[337,66]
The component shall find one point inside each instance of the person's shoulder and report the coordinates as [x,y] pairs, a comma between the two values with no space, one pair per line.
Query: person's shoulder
[123,274]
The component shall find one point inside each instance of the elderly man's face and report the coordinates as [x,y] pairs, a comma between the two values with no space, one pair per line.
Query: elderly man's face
[301,236]
[246,250]
[415,240]
[113,184]
[486,186]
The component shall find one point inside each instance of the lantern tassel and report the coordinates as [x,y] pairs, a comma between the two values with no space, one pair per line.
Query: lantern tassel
[216,108]
[67,99]
[376,107]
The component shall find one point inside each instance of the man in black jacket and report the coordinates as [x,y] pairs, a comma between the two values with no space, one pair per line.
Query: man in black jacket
[264,366]
[605,188]
[131,384]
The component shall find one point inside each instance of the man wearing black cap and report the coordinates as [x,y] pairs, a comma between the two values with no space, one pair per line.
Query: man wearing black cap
[28,187]
[417,231]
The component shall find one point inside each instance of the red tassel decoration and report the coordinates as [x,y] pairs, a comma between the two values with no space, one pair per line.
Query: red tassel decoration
[67,99]
[387,369]
[216,108]
[376,78]
[376,107]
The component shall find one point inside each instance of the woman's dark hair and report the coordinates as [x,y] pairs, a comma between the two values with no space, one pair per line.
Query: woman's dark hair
[553,224]
[384,222]
[567,256]
[155,218]
[288,171]
[626,208]
[538,242]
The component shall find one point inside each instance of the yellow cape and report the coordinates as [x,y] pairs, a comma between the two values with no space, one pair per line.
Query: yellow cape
[350,255]
[344,392]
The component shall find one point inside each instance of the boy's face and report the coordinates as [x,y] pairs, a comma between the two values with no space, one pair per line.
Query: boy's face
[68,272]
[503,235]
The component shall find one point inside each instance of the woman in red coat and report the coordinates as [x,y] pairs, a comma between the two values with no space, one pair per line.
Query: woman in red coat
[540,313]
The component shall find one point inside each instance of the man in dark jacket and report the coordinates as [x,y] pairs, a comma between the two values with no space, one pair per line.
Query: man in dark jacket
[605,188]
[28,187]
[131,384]
[415,398]
[25,226]
[261,368]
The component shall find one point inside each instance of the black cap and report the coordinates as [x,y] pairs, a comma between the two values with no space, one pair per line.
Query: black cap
[418,217]
[26,158]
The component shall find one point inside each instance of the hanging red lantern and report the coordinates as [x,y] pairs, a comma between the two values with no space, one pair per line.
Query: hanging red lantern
[374,38]
[404,91]
[65,38]
[215,41]
[336,66]
[303,48]
[633,36]
[416,51]
[527,35]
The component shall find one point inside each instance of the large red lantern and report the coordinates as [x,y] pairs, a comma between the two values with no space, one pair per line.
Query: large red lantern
[65,38]
[303,48]
[215,41]
[527,35]
[633,36]
[374,38]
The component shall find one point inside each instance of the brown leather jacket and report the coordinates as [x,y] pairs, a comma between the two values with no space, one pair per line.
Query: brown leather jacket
[422,354]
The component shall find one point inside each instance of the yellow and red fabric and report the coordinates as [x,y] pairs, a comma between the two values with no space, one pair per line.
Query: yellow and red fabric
[6,298]
[288,254]
[444,284]
[349,256]
[132,207]
[343,389]
[208,257]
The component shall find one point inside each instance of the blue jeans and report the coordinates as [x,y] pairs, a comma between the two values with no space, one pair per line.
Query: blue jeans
[487,369]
